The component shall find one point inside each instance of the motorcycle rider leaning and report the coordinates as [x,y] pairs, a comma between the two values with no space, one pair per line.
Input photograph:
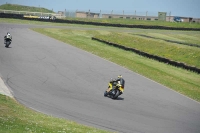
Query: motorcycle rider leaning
[7,36]
[120,83]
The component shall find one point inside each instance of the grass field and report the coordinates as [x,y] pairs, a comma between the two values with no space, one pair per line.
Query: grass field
[139,22]
[181,37]
[180,53]
[16,118]
[64,25]
[24,8]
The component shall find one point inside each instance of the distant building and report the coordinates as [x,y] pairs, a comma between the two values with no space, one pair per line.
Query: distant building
[196,20]
[80,14]
[61,13]
[162,16]
[151,18]
[129,17]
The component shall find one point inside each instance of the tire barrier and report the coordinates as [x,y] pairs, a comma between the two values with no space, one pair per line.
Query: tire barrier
[20,16]
[6,15]
[189,44]
[27,17]
[155,57]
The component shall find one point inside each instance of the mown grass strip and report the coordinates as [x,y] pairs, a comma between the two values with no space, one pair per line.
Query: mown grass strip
[177,42]
[113,25]
[182,81]
[151,56]
[179,53]
[138,22]
[15,118]
[183,37]
[61,25]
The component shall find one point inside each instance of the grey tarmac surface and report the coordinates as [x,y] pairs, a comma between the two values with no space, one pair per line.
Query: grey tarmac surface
[58,79]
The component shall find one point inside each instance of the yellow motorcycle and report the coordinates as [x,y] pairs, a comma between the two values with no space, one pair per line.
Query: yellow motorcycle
[114,90]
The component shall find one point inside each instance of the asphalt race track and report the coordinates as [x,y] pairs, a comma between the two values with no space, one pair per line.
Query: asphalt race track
[60,80]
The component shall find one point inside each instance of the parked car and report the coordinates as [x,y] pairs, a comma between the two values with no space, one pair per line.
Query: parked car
[178,19]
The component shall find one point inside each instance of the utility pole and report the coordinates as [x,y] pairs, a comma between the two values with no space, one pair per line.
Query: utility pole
[111,14]
[89,13]
[40,10]
[135,14]
[146,14]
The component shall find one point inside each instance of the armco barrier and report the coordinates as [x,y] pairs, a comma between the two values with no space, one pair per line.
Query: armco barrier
[19,16]
[155,57]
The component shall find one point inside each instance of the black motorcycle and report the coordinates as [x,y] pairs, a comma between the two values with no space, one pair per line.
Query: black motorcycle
[7,42]
[114,92]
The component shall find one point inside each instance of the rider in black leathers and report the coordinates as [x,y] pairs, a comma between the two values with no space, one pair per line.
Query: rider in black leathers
[8,36]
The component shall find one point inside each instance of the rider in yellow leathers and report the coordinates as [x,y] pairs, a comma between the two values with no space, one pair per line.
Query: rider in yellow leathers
[119,82]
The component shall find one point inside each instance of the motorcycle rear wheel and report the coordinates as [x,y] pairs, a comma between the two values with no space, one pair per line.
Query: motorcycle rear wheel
[115,94]
[7,44]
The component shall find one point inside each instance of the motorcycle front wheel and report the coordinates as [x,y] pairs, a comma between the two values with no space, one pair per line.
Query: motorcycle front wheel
[105,93]
[115,96]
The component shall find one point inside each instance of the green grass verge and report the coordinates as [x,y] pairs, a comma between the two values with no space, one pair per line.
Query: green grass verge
[181,37]
[15,118]
[180,53]
[67,25]
[182,81]
[138,22]
[17,7]
[21,21]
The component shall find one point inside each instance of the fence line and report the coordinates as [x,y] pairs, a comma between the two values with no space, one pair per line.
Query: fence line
[68,13]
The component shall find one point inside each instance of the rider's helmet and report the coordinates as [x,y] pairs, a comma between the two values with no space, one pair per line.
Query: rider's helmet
[8,33]
[120,76]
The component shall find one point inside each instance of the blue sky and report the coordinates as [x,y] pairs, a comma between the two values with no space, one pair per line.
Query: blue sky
[184,8]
